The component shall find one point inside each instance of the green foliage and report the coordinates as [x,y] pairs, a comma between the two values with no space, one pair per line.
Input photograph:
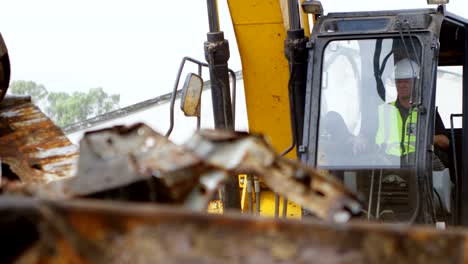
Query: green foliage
[37,91]
[65,108]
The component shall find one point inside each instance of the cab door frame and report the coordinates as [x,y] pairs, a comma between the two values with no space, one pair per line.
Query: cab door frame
[428,36]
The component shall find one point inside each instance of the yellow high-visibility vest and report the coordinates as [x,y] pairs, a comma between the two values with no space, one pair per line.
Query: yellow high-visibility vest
[391,136]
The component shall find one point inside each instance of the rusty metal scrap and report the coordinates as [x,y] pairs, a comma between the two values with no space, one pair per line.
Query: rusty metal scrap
[238,153]
[190,174]
[87,231]
[35,149]
[92,231]
[120,156]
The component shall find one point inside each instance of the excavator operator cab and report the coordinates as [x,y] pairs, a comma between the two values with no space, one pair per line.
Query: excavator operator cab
[370,111]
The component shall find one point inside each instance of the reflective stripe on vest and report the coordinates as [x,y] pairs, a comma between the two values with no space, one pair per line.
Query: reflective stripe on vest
[390,132]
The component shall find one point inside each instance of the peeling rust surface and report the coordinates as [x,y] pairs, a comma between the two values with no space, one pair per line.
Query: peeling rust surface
[32,145]
[82,231]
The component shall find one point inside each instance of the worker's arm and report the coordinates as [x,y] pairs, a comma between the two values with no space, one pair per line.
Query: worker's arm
[441,141]
[440,138]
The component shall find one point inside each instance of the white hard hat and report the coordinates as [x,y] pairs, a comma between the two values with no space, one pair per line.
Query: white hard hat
[406,69]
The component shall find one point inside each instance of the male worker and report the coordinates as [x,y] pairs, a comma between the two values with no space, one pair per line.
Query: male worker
[397,121]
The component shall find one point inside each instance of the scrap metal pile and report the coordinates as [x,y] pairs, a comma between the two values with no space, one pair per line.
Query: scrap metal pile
[61,207]
[42,170]
[142,164]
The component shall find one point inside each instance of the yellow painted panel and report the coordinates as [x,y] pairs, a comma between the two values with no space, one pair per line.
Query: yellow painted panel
[255,11]
[267,206]
[260,33]
[260,37]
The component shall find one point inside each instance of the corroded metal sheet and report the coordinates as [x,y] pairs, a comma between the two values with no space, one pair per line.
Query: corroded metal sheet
[32,145]
[110,232]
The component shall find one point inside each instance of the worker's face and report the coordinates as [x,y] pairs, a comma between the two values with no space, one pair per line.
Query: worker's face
[404,87]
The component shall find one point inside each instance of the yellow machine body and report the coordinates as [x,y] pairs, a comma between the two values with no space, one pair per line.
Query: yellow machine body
[260,28]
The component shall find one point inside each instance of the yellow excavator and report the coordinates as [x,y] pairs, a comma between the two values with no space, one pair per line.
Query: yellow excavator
[261,30]
[317,95]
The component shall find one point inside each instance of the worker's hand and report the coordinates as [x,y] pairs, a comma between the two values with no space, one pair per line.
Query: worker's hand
[441,141]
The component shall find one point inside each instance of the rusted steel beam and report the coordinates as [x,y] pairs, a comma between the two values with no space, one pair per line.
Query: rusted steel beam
[110,232]
[35,149]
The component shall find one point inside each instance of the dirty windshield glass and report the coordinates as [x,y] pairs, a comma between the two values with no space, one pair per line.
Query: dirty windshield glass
[368,123]
[366,115]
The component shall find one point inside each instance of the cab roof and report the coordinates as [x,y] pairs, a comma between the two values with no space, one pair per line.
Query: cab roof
[453,29]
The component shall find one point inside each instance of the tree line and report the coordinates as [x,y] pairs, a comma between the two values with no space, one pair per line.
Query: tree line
[67,108]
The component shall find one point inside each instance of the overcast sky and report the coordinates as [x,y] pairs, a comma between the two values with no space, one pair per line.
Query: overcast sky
[132,48]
